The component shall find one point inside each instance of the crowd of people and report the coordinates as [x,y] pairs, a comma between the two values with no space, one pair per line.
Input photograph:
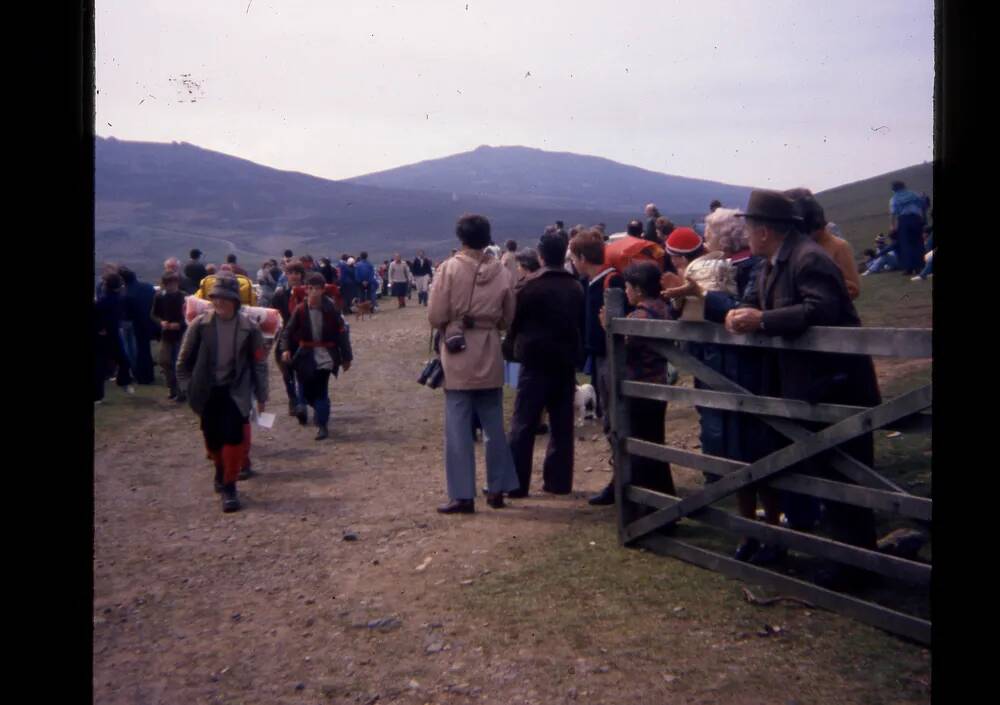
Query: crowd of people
[532,318]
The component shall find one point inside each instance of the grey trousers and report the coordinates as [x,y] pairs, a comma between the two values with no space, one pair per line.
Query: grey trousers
[459,450]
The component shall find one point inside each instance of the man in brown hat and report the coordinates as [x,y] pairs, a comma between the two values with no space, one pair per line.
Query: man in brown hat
[801,286]
[223,365]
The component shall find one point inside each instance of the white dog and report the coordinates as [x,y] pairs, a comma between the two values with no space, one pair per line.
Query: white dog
[585,401]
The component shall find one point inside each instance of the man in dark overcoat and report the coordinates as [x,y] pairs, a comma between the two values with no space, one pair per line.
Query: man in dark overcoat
[545,337]
[801,286]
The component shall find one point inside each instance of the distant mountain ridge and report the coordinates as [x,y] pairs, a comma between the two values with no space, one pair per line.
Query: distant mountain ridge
[557,180]
[156,200]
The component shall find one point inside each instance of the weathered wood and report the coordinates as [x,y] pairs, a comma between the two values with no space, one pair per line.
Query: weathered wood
[882,617]
[886,342]
[891,566]
[906,505]
[785,457]
[841,461]
[614,305]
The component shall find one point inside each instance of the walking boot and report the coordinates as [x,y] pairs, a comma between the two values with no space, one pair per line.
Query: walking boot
[606,497]
[291,408]
[458,506]
[302,414]
[230,502]
[322,433]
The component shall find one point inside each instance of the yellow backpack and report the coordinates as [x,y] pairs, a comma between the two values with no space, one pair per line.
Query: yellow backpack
[248,296]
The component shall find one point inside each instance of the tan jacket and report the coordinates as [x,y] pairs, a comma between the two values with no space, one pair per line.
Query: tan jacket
[480,365]
[840,252]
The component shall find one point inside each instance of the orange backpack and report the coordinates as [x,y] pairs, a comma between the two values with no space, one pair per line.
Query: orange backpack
[624,251]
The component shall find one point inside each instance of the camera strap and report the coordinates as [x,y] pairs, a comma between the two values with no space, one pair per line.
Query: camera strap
[475,276]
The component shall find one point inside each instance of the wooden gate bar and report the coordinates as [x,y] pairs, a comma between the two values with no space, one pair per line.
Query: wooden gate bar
[906,505]
[876,615]
[848,466]
[891,566]
[883,342]
[783,458]
[759,405]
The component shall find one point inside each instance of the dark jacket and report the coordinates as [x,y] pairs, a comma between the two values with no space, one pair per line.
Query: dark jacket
[421,267]
[806,288]
[546,327]
[170,308]
[196,363]
[195,271]
[138,303]
[594,341]
[328,273]
[336,336]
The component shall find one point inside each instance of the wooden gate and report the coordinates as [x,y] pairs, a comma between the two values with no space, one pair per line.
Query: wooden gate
[841,423]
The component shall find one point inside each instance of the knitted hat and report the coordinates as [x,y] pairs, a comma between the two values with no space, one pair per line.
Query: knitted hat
[683,241]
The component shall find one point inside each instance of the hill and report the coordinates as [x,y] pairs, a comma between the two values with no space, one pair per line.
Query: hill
[861,208]
[155,200]
[558,180]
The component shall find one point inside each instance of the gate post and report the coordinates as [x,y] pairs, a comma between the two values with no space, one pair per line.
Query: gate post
[618,410]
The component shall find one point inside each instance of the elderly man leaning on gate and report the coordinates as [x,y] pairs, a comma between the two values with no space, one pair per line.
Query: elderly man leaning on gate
[800,286]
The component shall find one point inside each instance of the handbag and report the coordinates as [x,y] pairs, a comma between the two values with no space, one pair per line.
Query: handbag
[433,372]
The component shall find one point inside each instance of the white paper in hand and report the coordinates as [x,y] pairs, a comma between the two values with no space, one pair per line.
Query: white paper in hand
[265,419]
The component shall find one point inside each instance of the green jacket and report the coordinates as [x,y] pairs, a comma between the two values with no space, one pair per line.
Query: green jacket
[196,363]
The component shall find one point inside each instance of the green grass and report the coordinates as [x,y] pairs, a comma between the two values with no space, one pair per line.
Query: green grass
[578,595]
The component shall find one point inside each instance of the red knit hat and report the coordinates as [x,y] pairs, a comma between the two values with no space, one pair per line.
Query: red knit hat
[683,241]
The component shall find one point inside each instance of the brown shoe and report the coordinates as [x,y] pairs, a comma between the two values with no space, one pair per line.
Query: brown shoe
[495,500]
[458,506]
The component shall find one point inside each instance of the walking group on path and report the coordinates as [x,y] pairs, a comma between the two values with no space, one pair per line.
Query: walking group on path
[531,318]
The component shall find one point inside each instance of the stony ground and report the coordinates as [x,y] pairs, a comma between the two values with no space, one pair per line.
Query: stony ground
[339,583]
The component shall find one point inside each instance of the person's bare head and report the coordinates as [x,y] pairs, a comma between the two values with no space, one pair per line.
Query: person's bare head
[172,264]
[397,258]
[315,288]
[651,211]
[587,251]
[295,273]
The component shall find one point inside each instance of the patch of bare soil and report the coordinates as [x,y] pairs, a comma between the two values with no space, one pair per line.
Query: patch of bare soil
[339,583]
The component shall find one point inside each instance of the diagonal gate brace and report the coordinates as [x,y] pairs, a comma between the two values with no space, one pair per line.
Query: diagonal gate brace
[782,459]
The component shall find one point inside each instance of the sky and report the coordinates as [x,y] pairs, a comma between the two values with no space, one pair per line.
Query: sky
[766,93]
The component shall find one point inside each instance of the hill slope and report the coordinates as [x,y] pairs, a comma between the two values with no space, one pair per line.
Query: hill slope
[157,200]
[861,208]
[557,179]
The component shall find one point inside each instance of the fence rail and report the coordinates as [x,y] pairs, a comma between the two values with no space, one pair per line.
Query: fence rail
[643,512]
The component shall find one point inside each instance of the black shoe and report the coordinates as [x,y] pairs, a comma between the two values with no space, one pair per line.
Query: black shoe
[606,497]
[230,502]
[552,491]
[458,506]
[302,414]
[542,429]
[746,550]
[322,433]
[246,473]
[218,484]
[769,554]
[519,493]
[495,500]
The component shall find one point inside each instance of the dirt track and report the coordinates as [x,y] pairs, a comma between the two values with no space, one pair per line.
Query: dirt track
[273,605]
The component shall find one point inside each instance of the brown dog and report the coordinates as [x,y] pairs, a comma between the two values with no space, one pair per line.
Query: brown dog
[362,308]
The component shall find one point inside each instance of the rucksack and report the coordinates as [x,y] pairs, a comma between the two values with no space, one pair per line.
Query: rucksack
[248,296]
[624,251]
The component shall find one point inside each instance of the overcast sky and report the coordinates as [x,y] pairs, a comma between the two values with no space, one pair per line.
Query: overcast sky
[761,93]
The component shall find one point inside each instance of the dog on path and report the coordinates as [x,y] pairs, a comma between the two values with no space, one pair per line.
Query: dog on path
[585,403]
[362,309]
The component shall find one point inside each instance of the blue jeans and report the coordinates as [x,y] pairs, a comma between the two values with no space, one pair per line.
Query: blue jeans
[459,449]
[316,392]
[887,262]
[129,343]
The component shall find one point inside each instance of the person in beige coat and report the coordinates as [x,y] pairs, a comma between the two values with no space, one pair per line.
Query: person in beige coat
[473,299]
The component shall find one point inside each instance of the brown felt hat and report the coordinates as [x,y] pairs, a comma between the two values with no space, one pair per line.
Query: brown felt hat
[771,205]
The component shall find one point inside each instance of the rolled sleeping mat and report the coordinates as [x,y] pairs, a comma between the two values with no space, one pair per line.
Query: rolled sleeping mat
[268,319]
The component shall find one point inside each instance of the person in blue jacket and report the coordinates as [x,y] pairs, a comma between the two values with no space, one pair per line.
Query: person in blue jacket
[364,272]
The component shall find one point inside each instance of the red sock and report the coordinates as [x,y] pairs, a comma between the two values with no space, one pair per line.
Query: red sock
[232,462]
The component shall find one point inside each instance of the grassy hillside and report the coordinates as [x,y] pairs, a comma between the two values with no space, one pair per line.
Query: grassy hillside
[861,209]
